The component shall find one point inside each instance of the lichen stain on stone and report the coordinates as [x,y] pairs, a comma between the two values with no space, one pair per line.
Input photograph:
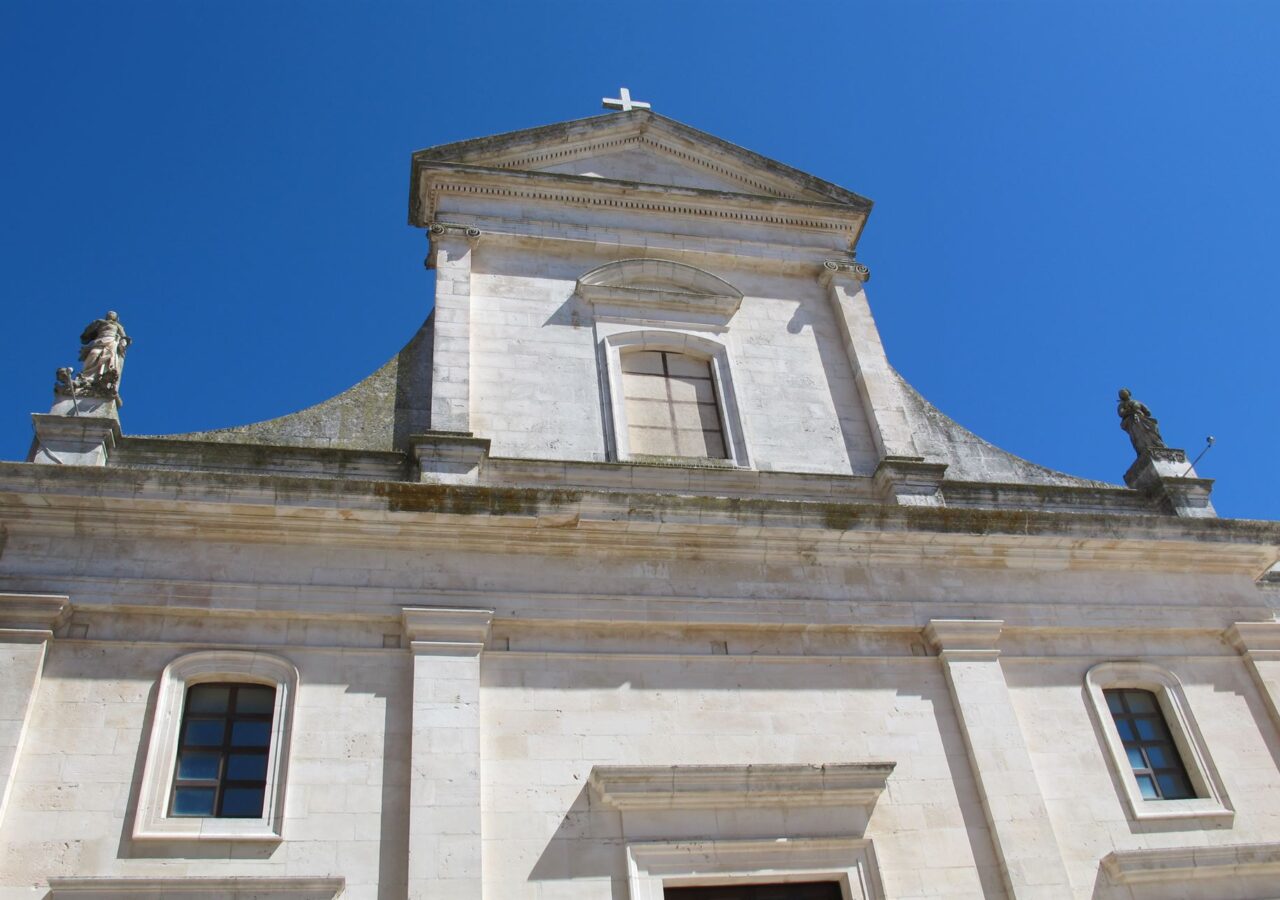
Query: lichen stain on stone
[468,501]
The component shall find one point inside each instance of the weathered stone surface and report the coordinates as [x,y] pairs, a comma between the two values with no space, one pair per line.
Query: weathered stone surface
[379,413]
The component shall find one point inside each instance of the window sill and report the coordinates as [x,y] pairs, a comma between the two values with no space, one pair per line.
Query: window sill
[206,829]
[1163,810]
[681,462]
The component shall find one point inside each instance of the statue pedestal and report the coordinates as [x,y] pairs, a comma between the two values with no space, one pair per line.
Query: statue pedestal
[910,481]
[79,431]
[1166,476]
[449,457]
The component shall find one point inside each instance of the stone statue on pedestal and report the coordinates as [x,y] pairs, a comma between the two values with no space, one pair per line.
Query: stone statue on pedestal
[103,346]
[1143,428]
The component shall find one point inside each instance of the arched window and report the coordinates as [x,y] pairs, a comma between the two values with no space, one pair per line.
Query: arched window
[219,750]
[1159,757]
[670,395]
[671,405]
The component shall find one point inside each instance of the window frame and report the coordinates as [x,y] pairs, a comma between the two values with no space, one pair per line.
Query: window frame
[153,820]
[612,346]
[1211,800]
[652,866]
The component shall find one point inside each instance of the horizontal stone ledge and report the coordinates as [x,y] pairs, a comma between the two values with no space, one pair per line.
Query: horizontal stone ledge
[1179,863]
[719,787]
[234,887]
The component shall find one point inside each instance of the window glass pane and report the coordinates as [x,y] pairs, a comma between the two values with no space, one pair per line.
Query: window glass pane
[1173,786]
[1160,757]
[1114,702]
[645,387]
[714,445]
[250,734]
[653,441]
[189,801]
[255,699]
[1125,729]
[204,732]
[199,765]
[1135,758]
[648,414]
[710,417]
[678,364]
[208,698]
[648,361]
[1148,787]
[690,390]
[1141,701]
[247,767]
[687,415]
[1146,729]
[242,803]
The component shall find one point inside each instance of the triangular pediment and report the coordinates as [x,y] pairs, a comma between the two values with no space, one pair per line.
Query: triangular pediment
[642,147]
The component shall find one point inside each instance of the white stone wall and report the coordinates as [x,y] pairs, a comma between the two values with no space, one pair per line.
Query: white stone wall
[346,806]
[1084,802]
[536,383]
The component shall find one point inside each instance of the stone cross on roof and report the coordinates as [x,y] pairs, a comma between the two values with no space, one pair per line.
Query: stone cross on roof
[624,103]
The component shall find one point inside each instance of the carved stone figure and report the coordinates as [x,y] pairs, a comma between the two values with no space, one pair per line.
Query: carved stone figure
[102,350]
[1143,428]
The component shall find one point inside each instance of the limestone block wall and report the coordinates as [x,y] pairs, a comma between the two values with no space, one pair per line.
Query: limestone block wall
[346,802]
[548,719]
[1084,803]
[536,385]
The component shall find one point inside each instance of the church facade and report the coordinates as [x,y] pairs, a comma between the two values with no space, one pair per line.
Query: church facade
[637,573]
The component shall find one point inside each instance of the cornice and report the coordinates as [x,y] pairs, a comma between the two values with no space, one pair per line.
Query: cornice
[280,509]
[157,888]
[565,140]
[627,788]
[31,617]
[434,180]
[1195,863]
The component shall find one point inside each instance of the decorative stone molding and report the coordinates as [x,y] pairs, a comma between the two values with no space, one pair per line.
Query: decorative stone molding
[1192,863]
[850,862]
[228,888]
[660,287]
[627,788]
[1211,801]
[32,617]
[964,638]
[910,481]
[452,228]
[449,457]
[1261,640]
[831,267]
[446,631]
[153,821]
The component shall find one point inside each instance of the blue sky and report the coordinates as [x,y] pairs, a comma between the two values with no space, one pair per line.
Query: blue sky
[1070,197]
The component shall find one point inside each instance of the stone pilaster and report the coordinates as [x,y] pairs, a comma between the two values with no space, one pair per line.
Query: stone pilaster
[903,476]
[444,790]
[1030,857]
[26,627]
[1259,644]
[1165,475]
[451,249]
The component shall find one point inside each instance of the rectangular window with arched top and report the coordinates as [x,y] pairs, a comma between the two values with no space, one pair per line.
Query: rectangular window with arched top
[217,760]
[671,405]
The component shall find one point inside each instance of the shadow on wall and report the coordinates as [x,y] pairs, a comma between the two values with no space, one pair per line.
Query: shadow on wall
[838,369]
